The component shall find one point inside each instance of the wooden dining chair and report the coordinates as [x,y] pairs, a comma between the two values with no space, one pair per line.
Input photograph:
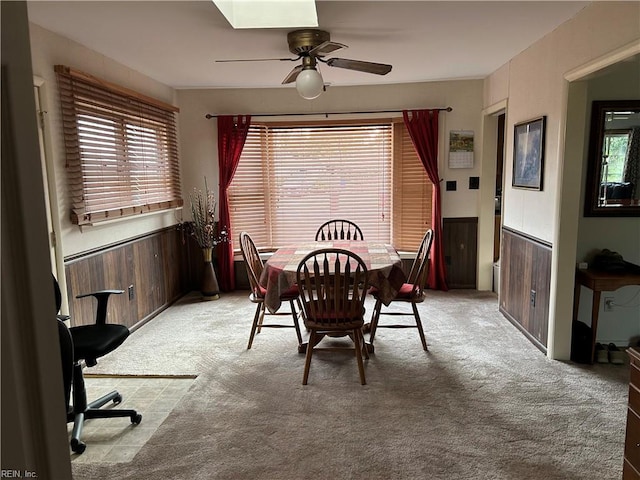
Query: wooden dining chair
[254,266]
[411,292]
[333,285]
[338,229]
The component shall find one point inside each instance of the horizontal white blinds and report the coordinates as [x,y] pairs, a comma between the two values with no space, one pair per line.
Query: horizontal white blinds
[248,192]
[121,150]
[412,193]
[292,179]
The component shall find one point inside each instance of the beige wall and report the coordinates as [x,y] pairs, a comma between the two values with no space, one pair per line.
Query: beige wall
[534,84]
[47,50]
[199,138]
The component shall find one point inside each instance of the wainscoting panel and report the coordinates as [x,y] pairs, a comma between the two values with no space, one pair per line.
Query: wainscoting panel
[526,284]
[152,270]
[460,243]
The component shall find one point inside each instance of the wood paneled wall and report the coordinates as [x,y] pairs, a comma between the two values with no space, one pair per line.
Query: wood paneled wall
[460,243]
[156,267]
[525,284]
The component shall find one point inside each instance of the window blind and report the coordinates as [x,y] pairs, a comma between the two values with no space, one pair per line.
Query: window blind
[121,149]
[291,179]
[412,193]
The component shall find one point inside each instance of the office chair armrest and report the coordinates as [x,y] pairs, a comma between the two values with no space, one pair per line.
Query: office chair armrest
[102,297]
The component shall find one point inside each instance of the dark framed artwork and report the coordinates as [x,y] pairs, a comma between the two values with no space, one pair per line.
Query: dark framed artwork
[528,154]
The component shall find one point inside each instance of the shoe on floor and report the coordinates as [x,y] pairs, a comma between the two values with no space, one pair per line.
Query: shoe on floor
[602,354]
[616,356]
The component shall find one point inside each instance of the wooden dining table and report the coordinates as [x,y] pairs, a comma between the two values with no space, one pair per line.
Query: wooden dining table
[384,267]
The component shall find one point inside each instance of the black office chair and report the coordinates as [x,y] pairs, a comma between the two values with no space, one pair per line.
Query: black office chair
[88,343]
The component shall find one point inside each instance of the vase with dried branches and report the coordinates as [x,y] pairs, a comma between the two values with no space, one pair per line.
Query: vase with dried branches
[207,233]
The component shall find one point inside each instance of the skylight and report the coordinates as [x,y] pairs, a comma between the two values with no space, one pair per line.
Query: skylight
[269,13]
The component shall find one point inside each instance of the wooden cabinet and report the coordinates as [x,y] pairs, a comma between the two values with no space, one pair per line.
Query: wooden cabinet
[631,469]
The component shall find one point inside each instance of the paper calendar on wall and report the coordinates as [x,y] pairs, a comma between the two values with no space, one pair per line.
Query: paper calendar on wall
[460,149]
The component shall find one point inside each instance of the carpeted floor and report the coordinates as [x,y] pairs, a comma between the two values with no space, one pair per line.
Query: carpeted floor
[483,403]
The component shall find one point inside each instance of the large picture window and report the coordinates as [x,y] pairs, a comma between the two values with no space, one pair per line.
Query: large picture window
[293,178]
[121,149]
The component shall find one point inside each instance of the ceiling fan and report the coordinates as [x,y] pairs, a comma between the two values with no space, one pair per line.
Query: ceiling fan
[311,46]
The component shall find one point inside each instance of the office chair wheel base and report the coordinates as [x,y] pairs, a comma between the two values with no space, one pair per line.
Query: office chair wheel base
[117,399]
[77,446]
[136,419]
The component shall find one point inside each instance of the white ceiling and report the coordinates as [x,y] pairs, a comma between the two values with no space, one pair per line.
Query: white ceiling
[177,42]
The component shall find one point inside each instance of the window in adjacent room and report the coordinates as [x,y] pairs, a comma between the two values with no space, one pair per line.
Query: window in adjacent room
[616,143]
[121,149]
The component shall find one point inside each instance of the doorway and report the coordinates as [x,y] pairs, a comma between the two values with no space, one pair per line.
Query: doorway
[498,197]
[498,186]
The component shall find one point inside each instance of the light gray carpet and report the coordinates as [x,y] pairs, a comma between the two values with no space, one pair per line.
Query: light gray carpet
[484,403]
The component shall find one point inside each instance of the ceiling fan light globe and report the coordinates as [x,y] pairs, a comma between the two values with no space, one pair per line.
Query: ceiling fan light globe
[309,84]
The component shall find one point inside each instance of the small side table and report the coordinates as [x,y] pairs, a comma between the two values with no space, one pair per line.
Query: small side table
[599,282]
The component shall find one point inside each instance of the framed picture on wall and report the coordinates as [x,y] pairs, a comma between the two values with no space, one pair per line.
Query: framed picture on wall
[528,154]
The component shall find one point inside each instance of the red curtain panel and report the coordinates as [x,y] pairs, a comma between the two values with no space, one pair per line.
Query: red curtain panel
[232,133]
[423,129]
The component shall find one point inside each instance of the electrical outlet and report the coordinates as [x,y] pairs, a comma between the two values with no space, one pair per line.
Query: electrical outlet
[533,298]
[608,304]
[131,294]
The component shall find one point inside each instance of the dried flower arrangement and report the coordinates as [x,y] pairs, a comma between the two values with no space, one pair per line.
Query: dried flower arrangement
[203,227]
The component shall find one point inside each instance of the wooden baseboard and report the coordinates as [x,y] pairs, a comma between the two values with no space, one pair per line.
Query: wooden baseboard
[531,338]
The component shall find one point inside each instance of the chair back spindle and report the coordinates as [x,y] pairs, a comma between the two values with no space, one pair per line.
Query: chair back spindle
[420,267]
[333,285]
[339,229]
[252,262]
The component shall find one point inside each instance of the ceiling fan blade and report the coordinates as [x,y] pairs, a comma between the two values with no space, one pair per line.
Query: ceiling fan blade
[360,66]
[293,74]
[326,48]
[257,60]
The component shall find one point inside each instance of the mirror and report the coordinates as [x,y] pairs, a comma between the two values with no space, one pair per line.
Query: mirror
[613,170]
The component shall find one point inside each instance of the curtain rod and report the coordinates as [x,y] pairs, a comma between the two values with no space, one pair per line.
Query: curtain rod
[326,114]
